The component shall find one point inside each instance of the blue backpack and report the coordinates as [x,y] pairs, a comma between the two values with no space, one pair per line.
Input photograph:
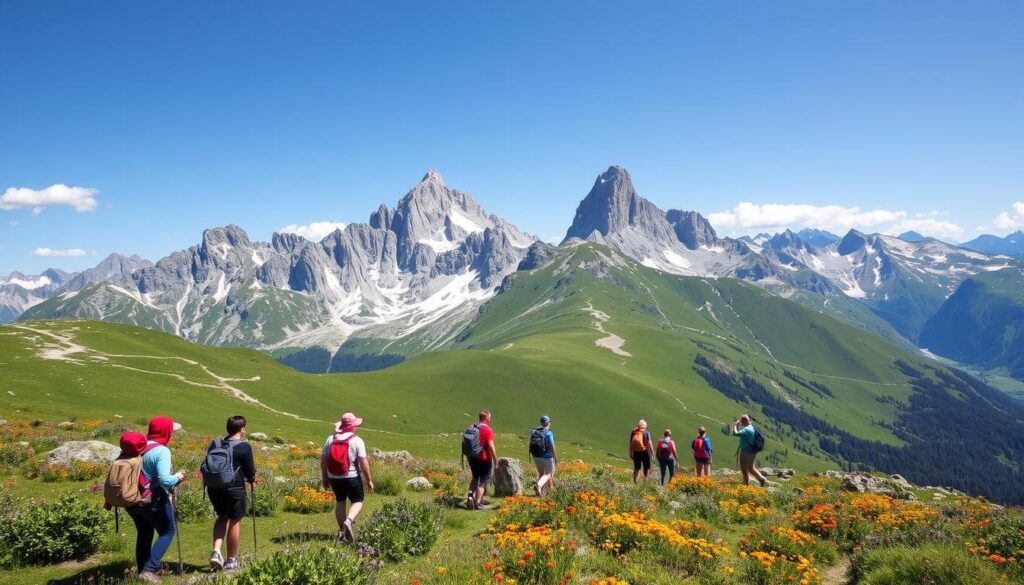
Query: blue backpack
[218,466]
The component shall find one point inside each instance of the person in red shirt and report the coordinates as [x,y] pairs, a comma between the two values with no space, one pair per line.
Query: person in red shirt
[483,465]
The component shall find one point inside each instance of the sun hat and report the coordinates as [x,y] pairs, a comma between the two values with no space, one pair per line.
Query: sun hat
[348,422]
[642,424]
[545,419]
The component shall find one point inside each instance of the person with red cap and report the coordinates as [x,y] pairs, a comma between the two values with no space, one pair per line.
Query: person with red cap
[343,467]
[155,514]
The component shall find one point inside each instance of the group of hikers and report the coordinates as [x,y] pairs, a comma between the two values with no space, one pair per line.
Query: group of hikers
[142,483]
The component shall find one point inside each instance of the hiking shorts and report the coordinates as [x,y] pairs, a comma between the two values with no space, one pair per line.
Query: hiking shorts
[228,502]
[545,465]
[642,459]
[481,470]
[702,460]
[348,488]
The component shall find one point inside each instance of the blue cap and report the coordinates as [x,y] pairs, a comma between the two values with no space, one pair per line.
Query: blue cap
[545,419]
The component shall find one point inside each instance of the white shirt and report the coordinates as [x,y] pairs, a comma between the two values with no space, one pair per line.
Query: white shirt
[356,449]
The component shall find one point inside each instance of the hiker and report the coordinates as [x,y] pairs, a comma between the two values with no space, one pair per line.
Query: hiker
[641,450]
[343,467]
[478,447]
[744,429]
[156,511]
[701,446]
[227,494]
[667,456]
[542,448]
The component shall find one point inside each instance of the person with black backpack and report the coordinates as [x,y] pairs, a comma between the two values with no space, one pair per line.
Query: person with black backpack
[542,449]
[343,468]
[751,443]
[226,469]
[478,448]
[667,457]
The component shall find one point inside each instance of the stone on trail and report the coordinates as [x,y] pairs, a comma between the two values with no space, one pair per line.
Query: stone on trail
[85,451]
[419,484]
[508,478]
[396,456]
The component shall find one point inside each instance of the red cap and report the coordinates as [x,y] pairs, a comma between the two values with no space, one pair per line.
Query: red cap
[132,443]
[160,429]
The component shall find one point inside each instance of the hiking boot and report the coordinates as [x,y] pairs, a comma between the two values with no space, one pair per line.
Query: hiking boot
[216,561]
[470,502]
[763,481]
[536,489]
[149,577]
[481,506]
[348,529]
[231,565]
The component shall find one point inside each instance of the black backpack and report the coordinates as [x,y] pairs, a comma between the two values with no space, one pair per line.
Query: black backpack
[471,447]
[538,442]
[218,467]
[758,441]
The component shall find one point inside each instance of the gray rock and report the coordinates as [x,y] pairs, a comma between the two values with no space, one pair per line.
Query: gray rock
[783,473]
[3,421]
[419,484]
[257,436]
[508,477]
[85,451]
[396,456]
[66,425]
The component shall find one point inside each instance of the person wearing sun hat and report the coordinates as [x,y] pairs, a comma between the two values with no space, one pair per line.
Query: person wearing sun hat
[343,468]
[544,456]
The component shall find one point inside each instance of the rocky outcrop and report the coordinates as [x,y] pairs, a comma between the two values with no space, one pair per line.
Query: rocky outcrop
[419,484]
[508,477]
[83,451]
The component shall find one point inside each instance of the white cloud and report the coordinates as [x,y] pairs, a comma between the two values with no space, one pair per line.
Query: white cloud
[79,198]
[774,216]
[315,231]
[49,253]
[1012,220]
[943,230]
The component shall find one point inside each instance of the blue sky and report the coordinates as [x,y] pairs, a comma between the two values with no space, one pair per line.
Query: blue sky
[175,117]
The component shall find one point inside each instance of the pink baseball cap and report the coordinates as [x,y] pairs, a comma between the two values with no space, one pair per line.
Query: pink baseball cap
[348,422]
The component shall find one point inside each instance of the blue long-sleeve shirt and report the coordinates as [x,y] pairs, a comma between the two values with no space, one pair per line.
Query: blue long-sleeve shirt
[156,466]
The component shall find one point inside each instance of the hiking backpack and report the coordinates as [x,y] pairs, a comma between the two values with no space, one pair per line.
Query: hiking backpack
[471,446]
[758,441]
[665,449]
[338,461]
[700,448]
[636,441]
[125,483]
[218,467]
[538,442]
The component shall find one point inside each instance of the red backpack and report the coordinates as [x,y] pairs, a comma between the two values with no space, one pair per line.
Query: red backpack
[700,451]
[338,461]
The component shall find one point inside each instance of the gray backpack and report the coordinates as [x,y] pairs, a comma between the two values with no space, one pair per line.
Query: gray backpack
[218,467]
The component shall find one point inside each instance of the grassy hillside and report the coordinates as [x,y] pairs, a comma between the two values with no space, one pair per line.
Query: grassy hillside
[592,339]
[982,323]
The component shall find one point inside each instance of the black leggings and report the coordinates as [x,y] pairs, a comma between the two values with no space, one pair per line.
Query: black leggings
[670,465]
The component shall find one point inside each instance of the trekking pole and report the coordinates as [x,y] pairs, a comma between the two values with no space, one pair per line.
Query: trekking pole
[117,522]
[177,535]
[252,513]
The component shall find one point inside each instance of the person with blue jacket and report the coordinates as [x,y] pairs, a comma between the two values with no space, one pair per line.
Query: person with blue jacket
[155,514]
[545,462]
[701,446]
[744,429]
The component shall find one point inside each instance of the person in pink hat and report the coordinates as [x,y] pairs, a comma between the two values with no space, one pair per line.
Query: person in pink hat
[343,468]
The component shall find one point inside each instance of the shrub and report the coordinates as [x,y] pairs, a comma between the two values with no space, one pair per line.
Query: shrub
[320,566]
[389,482]
[73,471]
[787,541]
[191,503]
[926,564]
[52,532]
[537,554]
[307,500]
[111,429]
[268,499]
[15,454]
[523,511]
[402,529]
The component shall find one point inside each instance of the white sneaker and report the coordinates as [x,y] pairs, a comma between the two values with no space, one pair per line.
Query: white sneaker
[231,565]
[349,531]
[216,561]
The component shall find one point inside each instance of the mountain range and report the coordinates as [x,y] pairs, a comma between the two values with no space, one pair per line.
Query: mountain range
[1011,245]
[414,276]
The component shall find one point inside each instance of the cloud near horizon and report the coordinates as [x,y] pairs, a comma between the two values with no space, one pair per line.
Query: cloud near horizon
[50,253]
[1012,220]
[81,199]
[315,231]
[750,217]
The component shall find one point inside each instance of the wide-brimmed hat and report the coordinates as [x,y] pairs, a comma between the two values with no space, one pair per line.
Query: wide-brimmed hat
[348,422]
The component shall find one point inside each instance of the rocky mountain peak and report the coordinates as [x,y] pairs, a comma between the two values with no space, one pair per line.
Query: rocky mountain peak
[852,242]
[692,228]
[611,206]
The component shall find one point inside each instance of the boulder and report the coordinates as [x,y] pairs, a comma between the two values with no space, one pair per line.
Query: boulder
[508,478]
[726,471]
[85,451]
[396,456]
[66,425]
[257,436]
[419,484]
[782,473]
